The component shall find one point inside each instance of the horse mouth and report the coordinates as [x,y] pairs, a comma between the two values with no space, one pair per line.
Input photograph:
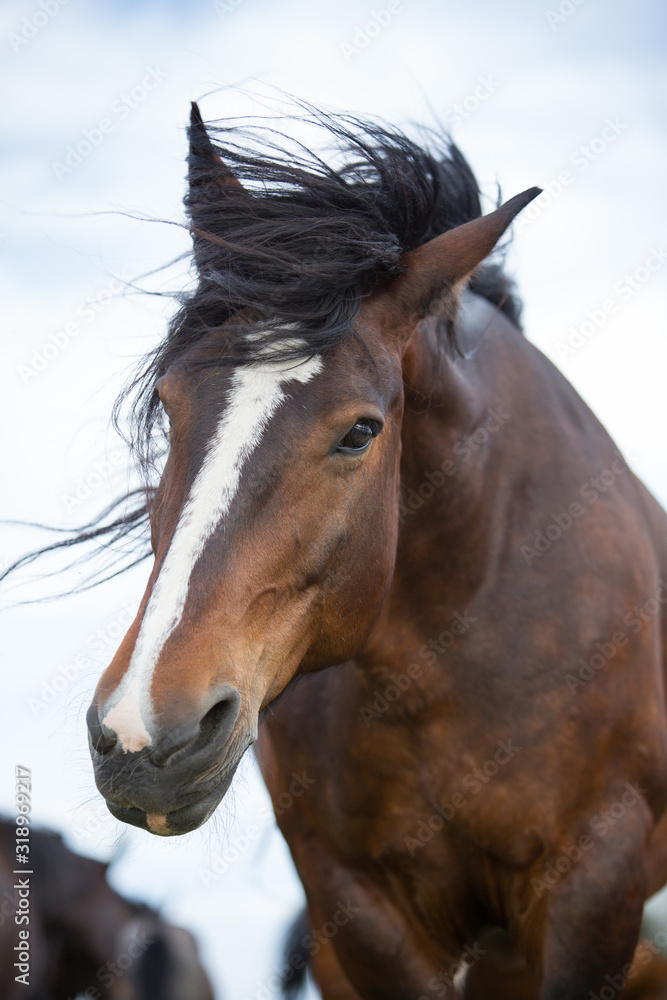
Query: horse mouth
[173,822]
[168,824]
[155,807]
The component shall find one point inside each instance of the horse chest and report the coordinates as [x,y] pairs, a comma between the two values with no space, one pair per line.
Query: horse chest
[413,804]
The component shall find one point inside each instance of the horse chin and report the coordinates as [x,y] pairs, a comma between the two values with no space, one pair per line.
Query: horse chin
[174,822]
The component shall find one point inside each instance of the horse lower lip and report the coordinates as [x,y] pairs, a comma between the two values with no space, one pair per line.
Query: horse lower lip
[177,821]
[189,817]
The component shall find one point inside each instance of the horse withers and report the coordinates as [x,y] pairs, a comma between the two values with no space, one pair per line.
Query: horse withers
[371,470]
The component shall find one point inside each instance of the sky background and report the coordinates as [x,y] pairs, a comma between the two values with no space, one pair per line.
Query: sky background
[569,96]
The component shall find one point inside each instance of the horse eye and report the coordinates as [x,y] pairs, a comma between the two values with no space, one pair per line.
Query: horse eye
[359,437]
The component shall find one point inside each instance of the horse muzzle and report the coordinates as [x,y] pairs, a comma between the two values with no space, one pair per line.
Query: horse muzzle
[173,785]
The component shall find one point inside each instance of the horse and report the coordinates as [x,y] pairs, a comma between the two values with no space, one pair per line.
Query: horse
[396,551]
[86,940]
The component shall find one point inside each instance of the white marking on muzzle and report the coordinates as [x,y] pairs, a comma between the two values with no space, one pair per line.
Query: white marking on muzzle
[257,391]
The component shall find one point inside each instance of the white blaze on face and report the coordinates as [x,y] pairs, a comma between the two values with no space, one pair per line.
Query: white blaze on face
[256,392]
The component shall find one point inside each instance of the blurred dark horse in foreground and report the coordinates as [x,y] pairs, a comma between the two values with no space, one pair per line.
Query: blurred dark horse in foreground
[87,940]
[370,469]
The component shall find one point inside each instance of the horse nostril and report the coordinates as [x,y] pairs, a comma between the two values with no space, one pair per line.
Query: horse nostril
[212,730]
[218,723]
[101,741]
[176,739]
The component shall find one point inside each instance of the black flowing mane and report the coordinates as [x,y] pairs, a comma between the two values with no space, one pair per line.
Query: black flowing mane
[296,242]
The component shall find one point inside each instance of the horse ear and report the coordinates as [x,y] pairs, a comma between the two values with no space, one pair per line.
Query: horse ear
[208,177]
[209,182]
[433,271]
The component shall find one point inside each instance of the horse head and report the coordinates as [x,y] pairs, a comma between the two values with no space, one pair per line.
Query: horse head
[275,524]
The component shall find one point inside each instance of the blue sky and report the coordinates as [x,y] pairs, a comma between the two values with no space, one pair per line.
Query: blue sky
[533,92]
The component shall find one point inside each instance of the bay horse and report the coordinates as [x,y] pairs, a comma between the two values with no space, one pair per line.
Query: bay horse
[395,550]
